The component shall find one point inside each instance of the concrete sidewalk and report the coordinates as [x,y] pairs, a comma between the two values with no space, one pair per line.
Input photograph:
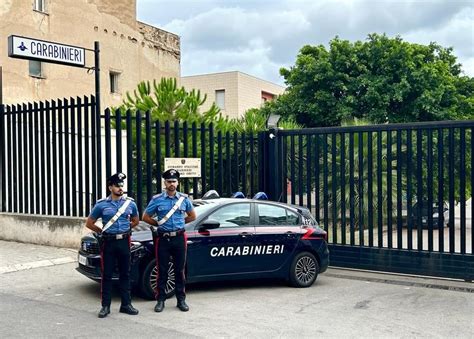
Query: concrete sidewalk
[15,256]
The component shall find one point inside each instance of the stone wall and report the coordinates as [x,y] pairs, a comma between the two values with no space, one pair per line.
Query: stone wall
[42,230]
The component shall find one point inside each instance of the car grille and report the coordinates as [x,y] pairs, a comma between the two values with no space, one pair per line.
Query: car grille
[90,247]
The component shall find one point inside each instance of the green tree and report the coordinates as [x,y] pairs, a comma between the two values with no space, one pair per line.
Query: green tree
[381,79]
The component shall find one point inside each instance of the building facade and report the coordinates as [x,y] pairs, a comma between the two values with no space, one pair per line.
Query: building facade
[233,92]
[130,51]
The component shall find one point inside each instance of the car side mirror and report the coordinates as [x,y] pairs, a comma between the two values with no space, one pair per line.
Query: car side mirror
[209,225]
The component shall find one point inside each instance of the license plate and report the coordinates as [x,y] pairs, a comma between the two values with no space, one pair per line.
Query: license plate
[82,260]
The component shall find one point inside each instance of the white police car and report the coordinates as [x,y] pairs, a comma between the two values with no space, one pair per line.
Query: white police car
[231,239]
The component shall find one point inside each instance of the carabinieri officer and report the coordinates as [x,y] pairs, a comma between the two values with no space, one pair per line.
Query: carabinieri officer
[119,215]
[169,211]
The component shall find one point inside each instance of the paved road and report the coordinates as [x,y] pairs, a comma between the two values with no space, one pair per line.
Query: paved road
[53,300]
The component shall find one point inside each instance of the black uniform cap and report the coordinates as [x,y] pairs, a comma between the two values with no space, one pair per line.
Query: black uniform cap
[116,179]
[170,174]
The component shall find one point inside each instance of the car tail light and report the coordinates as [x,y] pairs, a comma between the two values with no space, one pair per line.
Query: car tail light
[315,233]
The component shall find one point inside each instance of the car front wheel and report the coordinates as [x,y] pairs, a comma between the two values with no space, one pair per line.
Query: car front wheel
[304,270]
[149,280]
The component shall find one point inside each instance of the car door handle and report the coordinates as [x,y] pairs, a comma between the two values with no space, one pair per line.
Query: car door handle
[245,234]
[189,242]
[290,234]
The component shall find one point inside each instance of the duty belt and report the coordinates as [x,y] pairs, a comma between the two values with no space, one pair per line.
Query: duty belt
[116,236]
[170,234]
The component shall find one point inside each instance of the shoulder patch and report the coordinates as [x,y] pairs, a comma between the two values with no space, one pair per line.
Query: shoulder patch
[101,200]
[184,195]
[129,198]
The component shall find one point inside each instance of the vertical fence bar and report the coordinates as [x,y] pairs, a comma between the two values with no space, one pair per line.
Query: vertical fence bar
[167,139]
[54,151]
[316,178]
[93,135]
[389,191]
[130,160]
[212,178]
[67,173]
[48,159]
[292,168]
[351,188]
[228,172]
[118,139]
[251,164]
[325,183]
[9,198]
[300,169]
[220,167]
[462,188]
[87,168]
[61,181]
[451,190]
[195,155]
[73,111]
[177,152]
[138,130]
[30,150]
[41,160]
[308,172]
[14,146]
[26,158]
[235,177]
[80,157]
[399,190]
[185,151]
[284,169]
[409,190]
[429,185]
[98,138]
[158,155]
[360,169]
[3,167]
[203,159]
[440,190]
[370,202]
[334,185]
[38,168]
[343,188]
[149,165]
[419,189]
[379,190]
[20,159]
[108,144]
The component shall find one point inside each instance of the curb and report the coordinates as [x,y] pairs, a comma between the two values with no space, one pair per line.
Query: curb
[401,279]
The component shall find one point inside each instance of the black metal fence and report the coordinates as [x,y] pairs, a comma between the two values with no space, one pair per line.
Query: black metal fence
[396,192]
[391,197]
[56,156]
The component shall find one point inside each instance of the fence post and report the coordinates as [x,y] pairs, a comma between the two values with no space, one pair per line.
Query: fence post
[271,158]
[2,159]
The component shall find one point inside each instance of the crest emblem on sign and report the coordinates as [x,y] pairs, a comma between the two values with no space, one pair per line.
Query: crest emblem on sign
[22,46]
[183,161]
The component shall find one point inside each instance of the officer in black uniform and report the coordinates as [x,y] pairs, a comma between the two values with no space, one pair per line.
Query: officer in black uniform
[119,214]
[169,211]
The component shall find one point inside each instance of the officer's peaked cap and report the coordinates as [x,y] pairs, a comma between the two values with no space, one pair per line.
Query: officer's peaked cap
[171,174]
[116,179]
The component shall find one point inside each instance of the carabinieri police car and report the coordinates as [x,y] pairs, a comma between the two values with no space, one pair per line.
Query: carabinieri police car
[231,239]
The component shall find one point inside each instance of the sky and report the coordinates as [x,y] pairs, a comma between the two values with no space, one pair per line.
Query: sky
[258,37]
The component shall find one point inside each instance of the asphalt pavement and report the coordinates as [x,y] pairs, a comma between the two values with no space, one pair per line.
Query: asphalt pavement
[41,295]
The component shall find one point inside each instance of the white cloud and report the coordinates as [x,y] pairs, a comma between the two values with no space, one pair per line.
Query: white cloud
[261,36]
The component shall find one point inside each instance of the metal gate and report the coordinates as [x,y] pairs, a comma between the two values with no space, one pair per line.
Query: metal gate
[391,197]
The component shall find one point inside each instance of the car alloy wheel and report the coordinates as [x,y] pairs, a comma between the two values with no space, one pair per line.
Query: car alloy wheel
[304,270]
[148,280]
[170,284]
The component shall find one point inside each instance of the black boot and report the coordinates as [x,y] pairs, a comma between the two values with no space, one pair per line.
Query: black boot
[129,309]
[104,311]
[182,306]
[160,305]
